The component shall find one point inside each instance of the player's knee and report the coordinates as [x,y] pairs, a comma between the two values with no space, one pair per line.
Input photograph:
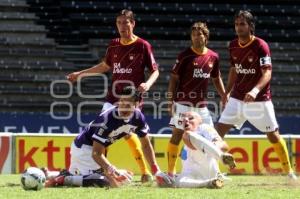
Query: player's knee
[274,136]
[176,138]
[224,147]
[126,137]
[222,129]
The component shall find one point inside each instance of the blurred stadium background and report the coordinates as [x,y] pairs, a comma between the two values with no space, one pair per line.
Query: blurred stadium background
[43,40]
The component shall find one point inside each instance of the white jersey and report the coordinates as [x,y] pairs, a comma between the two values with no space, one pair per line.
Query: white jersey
[199,164]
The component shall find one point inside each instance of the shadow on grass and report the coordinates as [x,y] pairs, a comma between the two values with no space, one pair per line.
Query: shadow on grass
[10,185]
[268,185]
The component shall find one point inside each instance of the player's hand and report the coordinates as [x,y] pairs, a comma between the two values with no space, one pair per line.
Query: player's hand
[251,95]
[120,176]
[143,87]
[123,177]
[72,77]
[249,98]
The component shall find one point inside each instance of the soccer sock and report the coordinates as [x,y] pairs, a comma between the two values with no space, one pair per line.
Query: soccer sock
[136,150]
[282,152]
[95,180]
[172,157]
[193,183]
[73,181]
[86,181]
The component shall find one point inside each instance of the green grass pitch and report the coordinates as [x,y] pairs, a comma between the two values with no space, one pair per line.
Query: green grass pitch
[241,187]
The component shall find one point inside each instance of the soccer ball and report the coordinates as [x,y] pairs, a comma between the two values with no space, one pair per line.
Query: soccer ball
[33,179]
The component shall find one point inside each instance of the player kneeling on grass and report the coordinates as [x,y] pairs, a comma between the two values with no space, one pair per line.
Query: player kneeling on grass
[88,148]
[203,148]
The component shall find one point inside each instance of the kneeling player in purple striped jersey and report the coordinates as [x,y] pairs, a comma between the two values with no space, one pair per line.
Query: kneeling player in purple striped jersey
[88,148]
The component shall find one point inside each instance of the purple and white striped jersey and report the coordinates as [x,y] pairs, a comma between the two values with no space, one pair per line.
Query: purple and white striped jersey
[109,127]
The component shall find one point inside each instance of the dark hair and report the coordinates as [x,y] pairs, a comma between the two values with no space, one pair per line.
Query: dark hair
[127,13]
[249,18]
[132,92]
[200,26]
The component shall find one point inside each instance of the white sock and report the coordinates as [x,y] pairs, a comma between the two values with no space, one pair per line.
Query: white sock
[73,181]
[185,182]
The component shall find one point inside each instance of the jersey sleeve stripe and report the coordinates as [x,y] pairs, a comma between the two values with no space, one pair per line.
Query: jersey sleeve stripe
[100,139]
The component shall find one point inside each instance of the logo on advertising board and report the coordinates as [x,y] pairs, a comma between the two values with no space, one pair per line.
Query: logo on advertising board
[253,156]
[43,151]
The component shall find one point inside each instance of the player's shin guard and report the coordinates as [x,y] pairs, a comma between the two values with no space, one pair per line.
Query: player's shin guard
[172,157]
[282,152]
[136,150]
[200,143]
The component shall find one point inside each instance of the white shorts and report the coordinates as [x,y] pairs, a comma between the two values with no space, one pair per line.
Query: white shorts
[260,114]
[177,122]
[82,162]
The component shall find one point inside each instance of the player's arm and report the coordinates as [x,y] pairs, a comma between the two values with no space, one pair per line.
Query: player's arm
[266,71]
[218,83]
[232,75]
[116,177]
[266,77]
[172,91]
[149,153]
[102,67]
[147,85]
[161,178]
[99,157]
[262,82]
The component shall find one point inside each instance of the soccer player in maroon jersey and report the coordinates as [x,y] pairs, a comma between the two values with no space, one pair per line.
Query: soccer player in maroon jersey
[188,86]
[127,57]
[249,88]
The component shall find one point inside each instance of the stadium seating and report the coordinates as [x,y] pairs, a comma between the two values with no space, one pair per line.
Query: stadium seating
[43,40]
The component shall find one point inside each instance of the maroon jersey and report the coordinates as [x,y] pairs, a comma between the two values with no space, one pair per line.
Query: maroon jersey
[128,63]
[194,71]
[248,61]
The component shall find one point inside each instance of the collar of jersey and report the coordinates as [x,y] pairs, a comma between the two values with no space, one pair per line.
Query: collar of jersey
[125,119]
[247,44]
[131,42]
[197,52]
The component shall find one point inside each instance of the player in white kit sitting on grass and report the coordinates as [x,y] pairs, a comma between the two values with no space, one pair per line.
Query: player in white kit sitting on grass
[203,148]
